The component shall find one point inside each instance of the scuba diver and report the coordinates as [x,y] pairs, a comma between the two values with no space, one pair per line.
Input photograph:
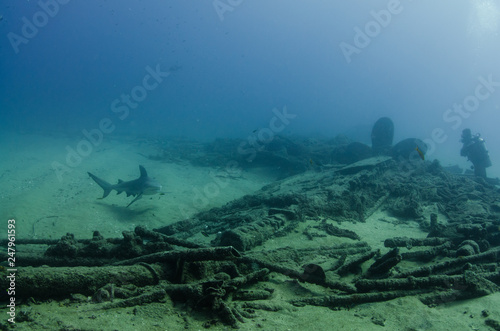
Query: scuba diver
[475,150]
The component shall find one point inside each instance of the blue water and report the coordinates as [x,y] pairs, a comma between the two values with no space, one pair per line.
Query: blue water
[337,65]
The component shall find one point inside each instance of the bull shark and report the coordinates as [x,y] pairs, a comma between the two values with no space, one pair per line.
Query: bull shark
[143,185]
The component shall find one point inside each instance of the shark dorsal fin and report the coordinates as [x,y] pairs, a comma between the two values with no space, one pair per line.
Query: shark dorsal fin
[143,172]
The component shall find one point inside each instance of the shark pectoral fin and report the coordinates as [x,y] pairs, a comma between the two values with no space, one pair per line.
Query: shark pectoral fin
[136,198]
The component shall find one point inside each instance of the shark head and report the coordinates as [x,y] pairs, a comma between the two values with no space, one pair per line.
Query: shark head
[151,186]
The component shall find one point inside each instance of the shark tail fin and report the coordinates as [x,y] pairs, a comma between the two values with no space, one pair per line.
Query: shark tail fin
[107,187]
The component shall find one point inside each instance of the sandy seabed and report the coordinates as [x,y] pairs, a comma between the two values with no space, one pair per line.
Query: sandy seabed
[47,207]
[48,203]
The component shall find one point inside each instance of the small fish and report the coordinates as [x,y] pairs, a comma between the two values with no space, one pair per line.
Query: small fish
[422,156]
[311,162]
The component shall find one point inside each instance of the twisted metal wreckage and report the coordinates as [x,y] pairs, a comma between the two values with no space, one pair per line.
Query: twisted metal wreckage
[213,261]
